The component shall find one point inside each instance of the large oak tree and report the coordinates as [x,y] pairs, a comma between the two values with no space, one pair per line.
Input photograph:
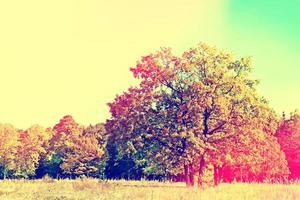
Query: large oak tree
[185,106]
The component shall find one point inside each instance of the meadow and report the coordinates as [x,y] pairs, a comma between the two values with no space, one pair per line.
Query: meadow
[141,190]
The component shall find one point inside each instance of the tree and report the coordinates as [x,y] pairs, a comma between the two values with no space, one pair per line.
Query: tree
[31,148]
[49,163]
[130,165]
[82,156]
[67,125]
[185,105]
[86,153]
[98,131]
[74,151]
[64,133]
[288,135]
[8,149]
[255,157]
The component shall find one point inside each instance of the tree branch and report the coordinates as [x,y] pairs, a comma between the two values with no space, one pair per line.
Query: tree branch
[216,128]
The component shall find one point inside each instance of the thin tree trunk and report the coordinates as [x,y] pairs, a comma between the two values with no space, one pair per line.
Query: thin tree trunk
[221,174]
[187,175]
[216,175]
[191,174]
[201,171]
[5,173]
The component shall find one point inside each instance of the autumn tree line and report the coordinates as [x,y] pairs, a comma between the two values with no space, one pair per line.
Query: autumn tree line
[196,118]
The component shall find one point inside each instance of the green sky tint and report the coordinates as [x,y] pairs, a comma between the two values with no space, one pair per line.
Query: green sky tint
[269,32]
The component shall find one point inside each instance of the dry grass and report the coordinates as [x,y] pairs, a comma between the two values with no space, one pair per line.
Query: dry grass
[89,189]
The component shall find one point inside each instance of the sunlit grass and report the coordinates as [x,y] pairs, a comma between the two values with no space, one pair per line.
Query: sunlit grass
[143,190]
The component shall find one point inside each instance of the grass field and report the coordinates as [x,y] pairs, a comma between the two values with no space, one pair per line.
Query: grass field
[89,189]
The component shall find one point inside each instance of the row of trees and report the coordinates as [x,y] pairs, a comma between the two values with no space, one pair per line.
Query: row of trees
[66,150]
[190,115]
[70,150]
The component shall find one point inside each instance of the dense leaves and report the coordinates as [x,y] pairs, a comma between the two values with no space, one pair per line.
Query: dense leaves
[74,150]
[8,145]
[32,146]
[185,106]
[67,150]
[289,138]
[254,157]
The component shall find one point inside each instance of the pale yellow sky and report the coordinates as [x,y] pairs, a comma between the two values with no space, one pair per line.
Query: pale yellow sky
[63,57]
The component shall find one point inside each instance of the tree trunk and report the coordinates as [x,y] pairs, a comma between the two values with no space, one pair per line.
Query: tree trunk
[187,175]
[191,175]
[201,171]
[5,173]
[216,175]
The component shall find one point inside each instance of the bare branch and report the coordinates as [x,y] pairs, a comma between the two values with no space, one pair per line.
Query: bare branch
[220,126]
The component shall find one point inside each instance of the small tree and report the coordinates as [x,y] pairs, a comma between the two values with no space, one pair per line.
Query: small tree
[82,157]
[75,151]
[31,148]
[8,149]
[98,132]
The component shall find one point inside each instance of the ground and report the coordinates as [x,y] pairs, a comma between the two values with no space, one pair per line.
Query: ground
[88,189]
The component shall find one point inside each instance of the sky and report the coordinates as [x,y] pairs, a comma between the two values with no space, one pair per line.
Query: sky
[73,56]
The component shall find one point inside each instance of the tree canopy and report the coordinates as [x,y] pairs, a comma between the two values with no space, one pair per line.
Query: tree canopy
[185,106]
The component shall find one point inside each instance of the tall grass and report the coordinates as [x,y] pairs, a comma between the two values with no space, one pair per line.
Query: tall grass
[143,190]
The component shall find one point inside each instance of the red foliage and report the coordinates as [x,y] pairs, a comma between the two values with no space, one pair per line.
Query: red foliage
[288,135]
[66,125]
[251,157]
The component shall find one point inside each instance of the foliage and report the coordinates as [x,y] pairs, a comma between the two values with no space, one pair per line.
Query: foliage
[50,166]
[8,149]
[288,135]
[82,157]
[98,132]
[255,157]
[130,165]
[185,105]
[75,150]
[32,144]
